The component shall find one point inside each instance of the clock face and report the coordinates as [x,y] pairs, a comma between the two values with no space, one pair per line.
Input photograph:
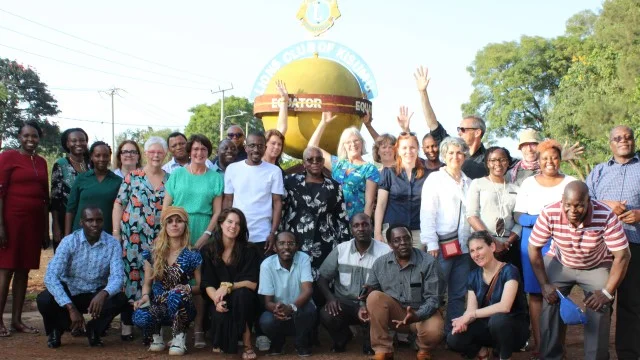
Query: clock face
[318,11]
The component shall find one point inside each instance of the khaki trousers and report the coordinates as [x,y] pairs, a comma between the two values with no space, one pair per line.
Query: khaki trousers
[383,308]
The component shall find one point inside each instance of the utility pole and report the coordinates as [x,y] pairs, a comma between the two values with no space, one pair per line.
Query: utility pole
[111,92]
[221,90]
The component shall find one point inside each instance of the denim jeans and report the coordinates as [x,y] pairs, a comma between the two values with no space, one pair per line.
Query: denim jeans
[456,274]
[301,325]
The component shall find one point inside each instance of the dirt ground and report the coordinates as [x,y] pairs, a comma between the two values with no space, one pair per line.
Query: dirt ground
[28,346]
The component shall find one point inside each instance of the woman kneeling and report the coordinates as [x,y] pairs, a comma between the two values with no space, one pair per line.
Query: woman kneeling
[496,314]
[166,293]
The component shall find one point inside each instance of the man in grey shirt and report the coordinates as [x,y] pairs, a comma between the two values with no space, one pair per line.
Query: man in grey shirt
[405,293]
[348,265]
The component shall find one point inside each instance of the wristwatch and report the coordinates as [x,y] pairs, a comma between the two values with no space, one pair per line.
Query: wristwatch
[294,308]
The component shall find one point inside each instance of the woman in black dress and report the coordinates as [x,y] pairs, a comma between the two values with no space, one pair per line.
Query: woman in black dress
[230,273]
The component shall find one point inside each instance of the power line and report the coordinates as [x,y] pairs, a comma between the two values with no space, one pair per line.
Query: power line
[110,49]
[105,121]
[101,58]
[103,71]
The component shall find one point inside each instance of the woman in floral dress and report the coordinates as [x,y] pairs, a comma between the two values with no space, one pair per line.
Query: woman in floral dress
[63,173]
[138,207]
[313,209]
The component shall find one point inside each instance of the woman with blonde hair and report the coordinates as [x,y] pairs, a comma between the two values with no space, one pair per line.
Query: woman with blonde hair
[384,151]
[167,296]
[358,178]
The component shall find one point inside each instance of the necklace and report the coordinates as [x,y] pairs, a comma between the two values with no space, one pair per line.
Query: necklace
[81,164]
[193,172]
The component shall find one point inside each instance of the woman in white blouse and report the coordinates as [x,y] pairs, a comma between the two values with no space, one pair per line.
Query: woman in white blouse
[535,193]
[443,216]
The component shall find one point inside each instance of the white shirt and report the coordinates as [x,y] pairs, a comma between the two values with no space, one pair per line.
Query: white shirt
[441,201]
[533,197]
[252,187]
[173,164]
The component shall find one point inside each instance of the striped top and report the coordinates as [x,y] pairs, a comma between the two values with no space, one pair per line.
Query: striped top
[584,247]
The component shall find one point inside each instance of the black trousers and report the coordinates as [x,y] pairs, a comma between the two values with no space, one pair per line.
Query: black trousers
[338,326]
[57,317]
[628,310]
[503,332]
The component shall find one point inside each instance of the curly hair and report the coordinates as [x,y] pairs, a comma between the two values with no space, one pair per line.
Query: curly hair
[550,144]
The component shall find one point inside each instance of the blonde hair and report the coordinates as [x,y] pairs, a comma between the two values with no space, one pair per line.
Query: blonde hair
[342,152]
[161,245]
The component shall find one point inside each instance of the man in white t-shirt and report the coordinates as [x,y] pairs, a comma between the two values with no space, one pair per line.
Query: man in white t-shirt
[256,187]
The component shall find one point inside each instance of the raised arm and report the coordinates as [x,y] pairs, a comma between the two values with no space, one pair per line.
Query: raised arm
[327,117]
[422,81]
[366,120]
[404,119]
[283,112]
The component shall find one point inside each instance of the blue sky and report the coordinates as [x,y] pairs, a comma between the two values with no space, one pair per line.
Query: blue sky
[201,45]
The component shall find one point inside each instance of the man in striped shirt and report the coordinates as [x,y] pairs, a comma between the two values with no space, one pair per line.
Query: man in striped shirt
[589,249]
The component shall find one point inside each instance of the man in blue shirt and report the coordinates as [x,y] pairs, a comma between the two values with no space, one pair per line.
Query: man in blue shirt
[85,275]
[617,184]
[287,286]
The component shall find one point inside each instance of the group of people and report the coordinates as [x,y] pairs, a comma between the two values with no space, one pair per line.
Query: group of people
[468,245]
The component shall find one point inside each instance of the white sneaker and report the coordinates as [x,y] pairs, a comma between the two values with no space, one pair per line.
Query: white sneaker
[157,344]
[263,343]
[178,346]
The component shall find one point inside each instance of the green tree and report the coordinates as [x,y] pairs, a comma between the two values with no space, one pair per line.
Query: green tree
[206,118]
[24,97]
[140,135]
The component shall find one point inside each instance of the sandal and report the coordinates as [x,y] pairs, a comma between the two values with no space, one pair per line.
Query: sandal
[249,354]
[486,355]
[4,332]
[198,340]
[25,329]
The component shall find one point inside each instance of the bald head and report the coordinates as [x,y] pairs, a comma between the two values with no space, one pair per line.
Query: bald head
[576,189]
[575,202]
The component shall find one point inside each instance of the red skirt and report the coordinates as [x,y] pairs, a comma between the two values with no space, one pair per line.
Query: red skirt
[24,225]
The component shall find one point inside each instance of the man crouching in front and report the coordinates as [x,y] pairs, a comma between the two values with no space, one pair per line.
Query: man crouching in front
[406,293]
[84,276]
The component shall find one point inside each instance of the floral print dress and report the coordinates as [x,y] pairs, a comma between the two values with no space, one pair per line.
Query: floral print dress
[353,179]
[139,226]
[63,175]
[316,215]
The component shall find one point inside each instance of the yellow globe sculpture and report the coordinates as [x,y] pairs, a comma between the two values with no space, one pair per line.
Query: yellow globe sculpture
[313,76]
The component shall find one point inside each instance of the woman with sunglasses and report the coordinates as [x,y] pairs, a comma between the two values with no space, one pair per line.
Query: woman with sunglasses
[535,193]
[64,173]
[127,158]
[358,178]
[313,210]
[136,215]
[400,190]
[491,201]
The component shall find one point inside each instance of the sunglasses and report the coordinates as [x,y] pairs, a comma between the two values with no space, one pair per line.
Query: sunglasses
[500,230]
[622,138]
[315,160]
[463,129]
[235,135]
[404,133]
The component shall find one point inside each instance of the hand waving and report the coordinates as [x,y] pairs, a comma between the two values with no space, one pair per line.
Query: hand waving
[572,152]
[366,119]
[282,88]
[422,78]
[327,117]
[404,119]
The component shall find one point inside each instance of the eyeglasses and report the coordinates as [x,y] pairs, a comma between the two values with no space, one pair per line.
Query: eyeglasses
[315,159]
[155,153]
[129,152]
[404,133]
[255,146]
[353,142]
[235,135]
[495,161]
[463,129]
[621,138]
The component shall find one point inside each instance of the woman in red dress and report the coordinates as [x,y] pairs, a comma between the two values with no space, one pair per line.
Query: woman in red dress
[24,220]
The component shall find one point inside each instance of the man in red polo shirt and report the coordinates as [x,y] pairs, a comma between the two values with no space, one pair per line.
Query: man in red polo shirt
[590,250]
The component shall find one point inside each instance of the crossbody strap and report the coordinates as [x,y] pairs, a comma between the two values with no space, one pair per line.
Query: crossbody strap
[492,286]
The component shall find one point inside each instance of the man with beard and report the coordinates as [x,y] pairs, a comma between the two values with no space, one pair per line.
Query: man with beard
[588,249]
[256,187]
[177,143]
[287,286]
[348,266]
[405,293]
[227,153]
[85,275]
[617,184]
